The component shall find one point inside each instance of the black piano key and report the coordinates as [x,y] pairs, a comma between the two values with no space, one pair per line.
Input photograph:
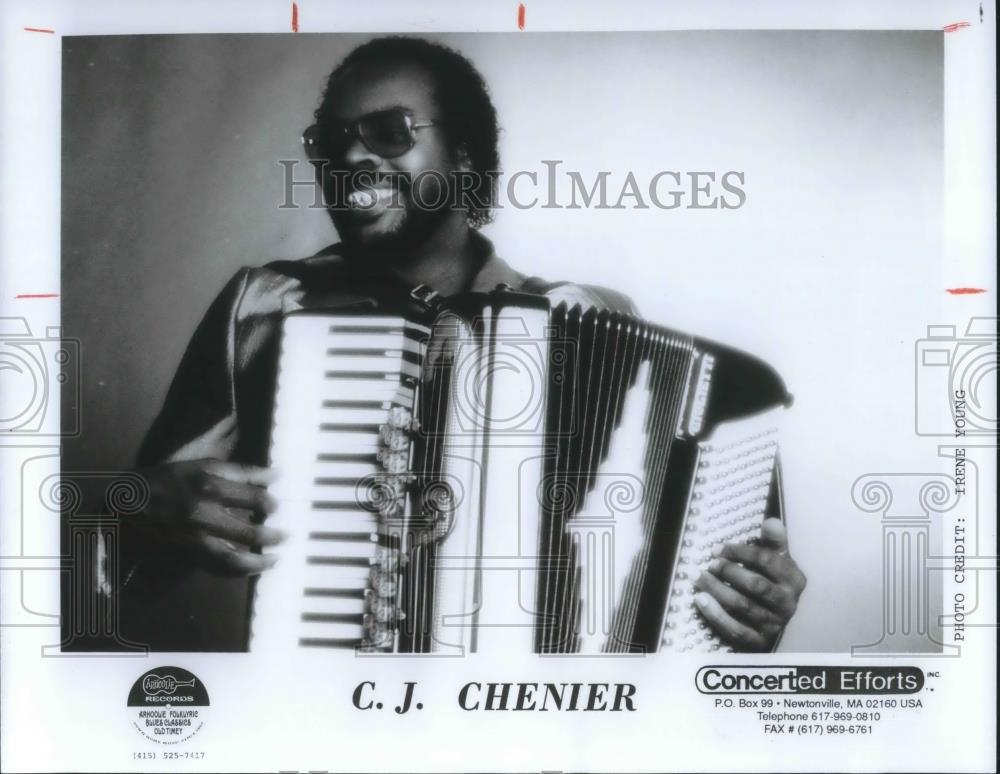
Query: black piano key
[371,375]
[329,642]
[368,329]
[350,618]
[407,331]
[337,593]
[343,537]
[409,357]
[357,404]
[343,505]
[348,427]
[340,561]
[336,457]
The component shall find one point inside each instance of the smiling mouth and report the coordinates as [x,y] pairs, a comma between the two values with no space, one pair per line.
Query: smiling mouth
[370,197]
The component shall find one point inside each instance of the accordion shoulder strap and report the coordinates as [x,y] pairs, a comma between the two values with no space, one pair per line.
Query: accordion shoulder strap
[585,295]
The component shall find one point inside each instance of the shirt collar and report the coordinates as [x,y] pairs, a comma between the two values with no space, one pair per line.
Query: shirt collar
[493,271]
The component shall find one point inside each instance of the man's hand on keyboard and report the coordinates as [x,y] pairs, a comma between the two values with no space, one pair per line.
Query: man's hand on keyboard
[751,590]
[215,510]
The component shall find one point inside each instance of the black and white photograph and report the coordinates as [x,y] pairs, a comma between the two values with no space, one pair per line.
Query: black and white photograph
[535,410]
[636,377]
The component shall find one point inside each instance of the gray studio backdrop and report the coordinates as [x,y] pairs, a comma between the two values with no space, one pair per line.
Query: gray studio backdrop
[171,183]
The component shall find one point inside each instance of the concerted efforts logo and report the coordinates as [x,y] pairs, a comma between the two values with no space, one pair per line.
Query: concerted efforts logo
[168,705]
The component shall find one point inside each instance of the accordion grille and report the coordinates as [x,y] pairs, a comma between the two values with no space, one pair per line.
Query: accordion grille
[612,421]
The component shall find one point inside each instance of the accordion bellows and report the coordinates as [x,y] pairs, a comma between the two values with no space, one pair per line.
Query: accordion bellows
[496,473]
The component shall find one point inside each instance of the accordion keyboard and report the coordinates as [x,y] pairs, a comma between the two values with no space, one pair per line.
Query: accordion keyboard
[341,447]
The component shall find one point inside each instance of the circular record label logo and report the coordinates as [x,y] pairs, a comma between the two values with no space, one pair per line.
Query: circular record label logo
[168,705]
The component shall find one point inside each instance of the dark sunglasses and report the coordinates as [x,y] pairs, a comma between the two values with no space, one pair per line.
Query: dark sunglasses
[386,133]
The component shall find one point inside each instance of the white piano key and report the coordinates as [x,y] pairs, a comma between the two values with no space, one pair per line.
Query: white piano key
[339,469]
[323,576]
[320,519]
[355,363]
[316,603]
[325,521]
[352,442]
[350,493]
[308,629]
[340,548]
[327,510]
[357,389]
[410,369]
[381,342]
[310,459]
[362,321]
[348,416]
[354,383]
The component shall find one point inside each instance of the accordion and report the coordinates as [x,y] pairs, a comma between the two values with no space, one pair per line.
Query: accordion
[496,471]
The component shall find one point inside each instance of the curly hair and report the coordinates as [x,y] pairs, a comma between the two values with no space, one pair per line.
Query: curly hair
[468,115]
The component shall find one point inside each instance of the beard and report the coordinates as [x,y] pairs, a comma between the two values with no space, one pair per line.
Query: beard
[390,223]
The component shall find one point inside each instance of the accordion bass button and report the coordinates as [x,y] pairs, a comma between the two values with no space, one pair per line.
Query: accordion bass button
[396,484]
[382,584]
[383,611]
[393,462]
[400,418]
[387,559]
[394,438]
[376,635]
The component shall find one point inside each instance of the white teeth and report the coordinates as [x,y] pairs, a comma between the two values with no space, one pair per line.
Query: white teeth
[360,199]
[368,198]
